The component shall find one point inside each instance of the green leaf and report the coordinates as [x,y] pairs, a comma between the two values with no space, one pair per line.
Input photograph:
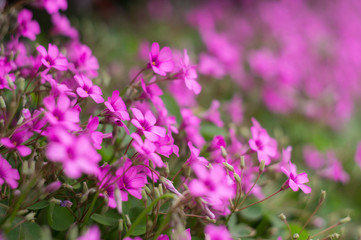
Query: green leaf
[62,218]
[209,131]
[39,205]
[172,106]
[141,227]
[104,220]
[295,228]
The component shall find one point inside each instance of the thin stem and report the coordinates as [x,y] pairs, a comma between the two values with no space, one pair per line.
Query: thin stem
[90,210]
[327,229]
[311,216]
[136,76]
[280,190]
[249,191]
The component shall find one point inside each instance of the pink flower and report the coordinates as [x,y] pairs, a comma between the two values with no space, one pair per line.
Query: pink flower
[8,174]
[76,153]
[82,60]
[86,89]
[213,184]
[52,58]
[213,114]
[146,125]
[214,232]
[189,74]
[235,109]
[160,61]
[93,233]
[96,136]
[27,27]
[191,125]
[147,149]
[194,158]
[62,26]
[116,106]
[334,169]
[16,140]
[313,158]
[262,143]
[59,112]
[53,6]
[296,181]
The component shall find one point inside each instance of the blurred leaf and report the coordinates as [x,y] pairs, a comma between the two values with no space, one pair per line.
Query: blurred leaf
[209,131]
[104,220]
[61,218]
[39,205]
[295,228]
[172,106]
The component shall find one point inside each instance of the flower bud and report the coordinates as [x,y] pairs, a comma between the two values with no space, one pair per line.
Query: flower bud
[22,211]
[85,187]
[160,189]
[323,196]
[144,195]
[10,82]
[30,216]
[262,166]
[118,200]
[147,190]
[237,178]
[167,171]
[20,121]
[127,220]
[345,220]
[52,187]
[120,225]
[67,186]
[73,232]
[2,103]
[282,217]
[228,166]
[295,236]
[21,83]
[157,193]
[243,163]
[224,152]
[56,201]
[334,236]
[66,203]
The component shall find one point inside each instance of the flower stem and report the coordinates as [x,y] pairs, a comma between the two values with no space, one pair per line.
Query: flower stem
[280,190]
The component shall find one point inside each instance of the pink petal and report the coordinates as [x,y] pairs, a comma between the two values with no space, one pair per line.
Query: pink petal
[23,150]
[82,93]
[138,114]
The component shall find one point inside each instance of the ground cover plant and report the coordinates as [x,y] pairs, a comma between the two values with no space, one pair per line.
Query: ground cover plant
[179,120]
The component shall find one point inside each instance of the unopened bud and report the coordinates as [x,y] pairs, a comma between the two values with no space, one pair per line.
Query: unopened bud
[323,196]
[144,195]
[127,220]
[10,82]
[295,236]
[229,166]
[210,219]
[120,225]
[167,171]
[224,152]
[21,83]
[25,168]
[67,186]
[84,197]
[334,236]
[85,187]
[147,190]
[118,200]
[237,178]
[282,217]
[2,103]
[30,216]
[20,121]
[157,193]
[160,189]
[22,212]
[73,232]
[56,201]
[262,166]
[243,162]
[345,220]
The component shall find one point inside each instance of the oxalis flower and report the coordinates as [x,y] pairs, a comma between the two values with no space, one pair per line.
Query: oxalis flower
[296,181]
[161,61]
[8,174]
[52,58]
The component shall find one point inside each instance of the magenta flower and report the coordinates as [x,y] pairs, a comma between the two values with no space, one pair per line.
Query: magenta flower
[213,185]
[27,27]
[296,181]
[53,6]
[147,149]
[262,143]
[76,153]
[8,174]
[62,26]
[213,115]
[52,58]
[146,125]
[194,158]
[213,232]
[59,112]
[16,140]
[82,60]
[334,169]
[313,158]
[116,106]
[86,89]
[93,233]
[189,74]
[191,125]
[160,61]
[132,180]
[96,136]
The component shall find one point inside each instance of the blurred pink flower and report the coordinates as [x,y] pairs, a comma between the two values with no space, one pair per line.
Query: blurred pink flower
[8,175]
[161,61]
[27,27]
[213,232]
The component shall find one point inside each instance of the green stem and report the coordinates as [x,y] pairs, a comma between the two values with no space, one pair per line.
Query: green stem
[237,210]
[90,210]
[148,209]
